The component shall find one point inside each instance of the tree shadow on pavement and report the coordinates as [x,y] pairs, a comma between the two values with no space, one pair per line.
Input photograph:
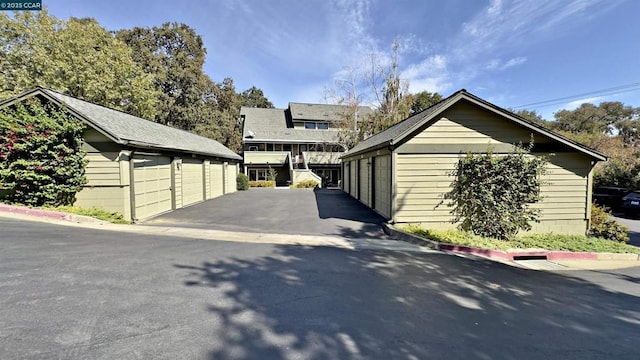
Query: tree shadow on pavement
[330,303]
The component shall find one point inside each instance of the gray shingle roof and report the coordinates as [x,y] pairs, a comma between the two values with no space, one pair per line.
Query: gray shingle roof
[271,125]
[399,131]
[137,132]
[320,112]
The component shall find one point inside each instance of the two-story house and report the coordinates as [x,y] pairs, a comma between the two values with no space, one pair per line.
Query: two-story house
[298,143]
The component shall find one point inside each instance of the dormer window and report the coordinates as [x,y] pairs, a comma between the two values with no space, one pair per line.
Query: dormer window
[323,126]
[309,125]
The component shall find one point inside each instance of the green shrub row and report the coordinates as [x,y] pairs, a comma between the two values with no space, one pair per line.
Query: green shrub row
[262,183]
[307,184]
[539,241]
[604,226]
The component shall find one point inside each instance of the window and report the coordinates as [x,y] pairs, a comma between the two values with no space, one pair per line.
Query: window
[309,125]
[253,148]
[323,126]
[286,147]
[257,174]
[277,147]
[269,147]
[303,147]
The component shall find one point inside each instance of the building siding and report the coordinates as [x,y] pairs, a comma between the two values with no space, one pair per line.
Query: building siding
[217,185]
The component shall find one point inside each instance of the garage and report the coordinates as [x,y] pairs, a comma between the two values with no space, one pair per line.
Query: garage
[139,168]
[152,185]
[192,181]
[405,171]
[216,179]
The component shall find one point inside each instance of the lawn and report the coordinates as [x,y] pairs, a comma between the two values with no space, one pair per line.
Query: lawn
[534,241]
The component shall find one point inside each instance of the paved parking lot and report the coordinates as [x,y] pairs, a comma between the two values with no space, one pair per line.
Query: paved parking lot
[283,211]
[634,229]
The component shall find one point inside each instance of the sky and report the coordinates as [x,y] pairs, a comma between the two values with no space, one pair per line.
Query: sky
[509,52]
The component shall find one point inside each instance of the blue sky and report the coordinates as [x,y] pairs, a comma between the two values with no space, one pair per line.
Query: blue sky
[508,52]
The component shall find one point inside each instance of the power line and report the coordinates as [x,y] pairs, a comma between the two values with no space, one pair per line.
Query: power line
[608,91]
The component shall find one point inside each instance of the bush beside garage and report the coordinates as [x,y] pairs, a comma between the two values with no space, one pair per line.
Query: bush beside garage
[140,168]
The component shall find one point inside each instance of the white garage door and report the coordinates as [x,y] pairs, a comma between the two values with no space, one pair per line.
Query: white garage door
[217,180]
[230,173]
[192,181]
[152,185]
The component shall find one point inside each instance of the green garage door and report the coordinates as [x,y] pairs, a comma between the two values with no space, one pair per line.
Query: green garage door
[152,185]
[192,181]
[216,179]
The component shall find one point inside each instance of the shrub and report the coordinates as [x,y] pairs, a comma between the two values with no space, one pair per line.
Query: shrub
[491,194]
[41,160]
[242,182]
[262,183]
[272,174]
[101,214]
[602,225]
[307,184]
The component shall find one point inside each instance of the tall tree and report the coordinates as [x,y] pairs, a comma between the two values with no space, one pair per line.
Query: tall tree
[594,119]
[77,57]
[532,116]
[174,55]
[422,101]
[254,97]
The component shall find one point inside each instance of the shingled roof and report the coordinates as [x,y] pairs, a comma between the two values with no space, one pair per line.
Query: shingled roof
[130,130]
[396,134]
[272,125]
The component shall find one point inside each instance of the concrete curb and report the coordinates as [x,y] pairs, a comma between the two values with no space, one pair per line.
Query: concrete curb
[509,255]
[49,214]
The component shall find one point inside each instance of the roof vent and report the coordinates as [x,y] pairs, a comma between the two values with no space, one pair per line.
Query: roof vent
[251,134]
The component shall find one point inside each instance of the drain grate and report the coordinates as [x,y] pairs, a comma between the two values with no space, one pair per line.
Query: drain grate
[539,264]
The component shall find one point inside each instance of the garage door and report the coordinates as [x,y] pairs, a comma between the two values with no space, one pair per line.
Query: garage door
[152,185]
[217,180]
[230,173]
[192,181]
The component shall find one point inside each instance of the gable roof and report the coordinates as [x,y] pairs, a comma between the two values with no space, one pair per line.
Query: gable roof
[400,131]
[321,112]
[270,125]
[126,129]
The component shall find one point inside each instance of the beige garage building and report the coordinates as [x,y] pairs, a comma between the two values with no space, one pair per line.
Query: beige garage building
[140,168]
[403,172]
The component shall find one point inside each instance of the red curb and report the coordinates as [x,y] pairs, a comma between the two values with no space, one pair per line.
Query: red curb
[33,212]
[474,251]
[568,255]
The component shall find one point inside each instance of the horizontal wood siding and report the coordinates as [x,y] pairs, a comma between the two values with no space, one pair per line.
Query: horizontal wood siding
[422,181]
[467,124]
[111,198]
[382,186]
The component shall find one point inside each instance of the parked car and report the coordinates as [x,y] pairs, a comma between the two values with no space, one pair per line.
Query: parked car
[610,196]
[631,204]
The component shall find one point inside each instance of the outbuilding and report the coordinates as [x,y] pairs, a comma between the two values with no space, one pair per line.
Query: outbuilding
[140,168]
[403,172]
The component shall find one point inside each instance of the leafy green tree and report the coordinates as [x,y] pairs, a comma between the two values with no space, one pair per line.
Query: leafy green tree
[174,55]
[41,157]
[491,194]
[422,101]
[77,57]
[532,116]
[254,97]
[594,119]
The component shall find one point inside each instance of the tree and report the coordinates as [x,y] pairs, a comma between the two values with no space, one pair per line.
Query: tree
[174,55]
[41,157]
[491,194]
[77,57]
[254,97]
[422,101]
[594,119]
[532,116]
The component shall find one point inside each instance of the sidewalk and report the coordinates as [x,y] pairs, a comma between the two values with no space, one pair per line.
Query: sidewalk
[541,259]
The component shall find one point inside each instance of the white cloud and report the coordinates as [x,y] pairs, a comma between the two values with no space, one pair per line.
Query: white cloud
[576,103]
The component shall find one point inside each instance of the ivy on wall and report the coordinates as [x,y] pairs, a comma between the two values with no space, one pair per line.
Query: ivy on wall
[41,157]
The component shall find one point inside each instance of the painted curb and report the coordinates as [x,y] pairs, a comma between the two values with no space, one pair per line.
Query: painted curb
[49,214]
[505,255]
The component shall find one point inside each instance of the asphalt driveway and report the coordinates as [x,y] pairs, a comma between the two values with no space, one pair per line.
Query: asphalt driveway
[280,211]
